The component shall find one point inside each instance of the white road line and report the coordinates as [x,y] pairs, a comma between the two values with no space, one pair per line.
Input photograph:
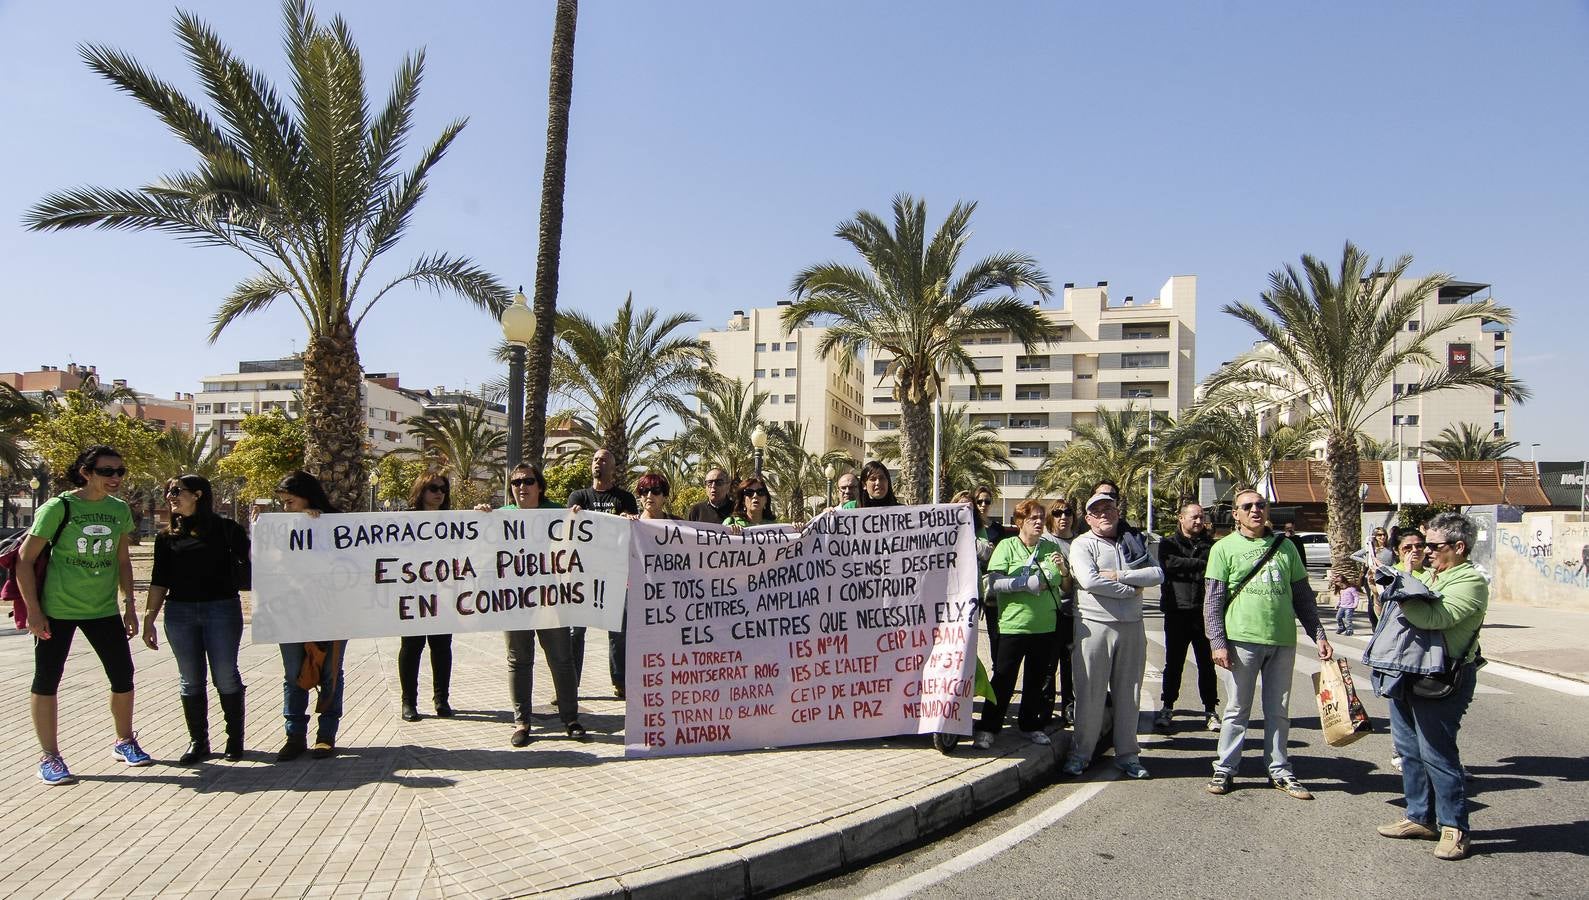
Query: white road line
[993,847]
[1538,679]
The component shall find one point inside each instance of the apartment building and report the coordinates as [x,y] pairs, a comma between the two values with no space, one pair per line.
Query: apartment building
[260,386]
[165,413]
[1410,418]
[801,385]
[1137,352]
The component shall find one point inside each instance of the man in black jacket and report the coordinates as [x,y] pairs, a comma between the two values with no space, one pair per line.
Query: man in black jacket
[1184,556]
[718,505]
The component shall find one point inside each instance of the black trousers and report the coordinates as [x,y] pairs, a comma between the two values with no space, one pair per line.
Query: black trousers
[1016,651]
[107,636]
[408,657]
[1184,628]
[1064,638]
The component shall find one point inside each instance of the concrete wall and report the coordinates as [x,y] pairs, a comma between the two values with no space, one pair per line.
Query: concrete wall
[1543,561]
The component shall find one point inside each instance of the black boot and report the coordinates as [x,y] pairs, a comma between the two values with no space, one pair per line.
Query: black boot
[197,711]
[232,708]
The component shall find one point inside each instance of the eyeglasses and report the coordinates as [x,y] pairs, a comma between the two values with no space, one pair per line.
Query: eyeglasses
[521,482]
[753,492]
[1255,505]
[1406,547]
[1439,545]
[983,502]
[646,492]
[174,490]
[438,488]
[1061,513]
[108,472]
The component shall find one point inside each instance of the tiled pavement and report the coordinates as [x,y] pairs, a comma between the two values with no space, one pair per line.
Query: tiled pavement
[445,808]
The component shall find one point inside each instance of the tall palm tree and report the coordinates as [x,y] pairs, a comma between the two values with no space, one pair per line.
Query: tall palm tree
[719,433]
[908,301]
[616,375]
[309,190]
[460,442]
[1112,447]
[1339,336]
[560,94]
[17,412]
[970,456]
[795,473]
[1467,442]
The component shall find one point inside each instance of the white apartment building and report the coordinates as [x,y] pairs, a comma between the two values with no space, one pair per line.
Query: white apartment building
[1132,352]
[801,385]
[1412,418]
[264,385]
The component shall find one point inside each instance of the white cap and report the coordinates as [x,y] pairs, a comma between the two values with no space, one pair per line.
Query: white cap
[1097,497]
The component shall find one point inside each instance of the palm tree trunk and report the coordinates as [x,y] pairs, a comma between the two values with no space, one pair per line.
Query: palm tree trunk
[915,451]
[334,415]
[615,440]
[547,255]
[1344,506]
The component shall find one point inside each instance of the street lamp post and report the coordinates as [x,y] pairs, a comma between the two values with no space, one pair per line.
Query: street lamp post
[37,487]
[375,485]
[1533,452]
[518,327]
[758,440]
[830,472]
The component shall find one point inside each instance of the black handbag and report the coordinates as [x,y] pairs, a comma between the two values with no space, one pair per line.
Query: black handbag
[1440,685]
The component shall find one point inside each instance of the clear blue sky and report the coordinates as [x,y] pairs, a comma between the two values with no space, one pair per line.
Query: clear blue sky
[715,146]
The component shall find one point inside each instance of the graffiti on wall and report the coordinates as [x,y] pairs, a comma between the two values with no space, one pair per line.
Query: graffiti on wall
[1559,554]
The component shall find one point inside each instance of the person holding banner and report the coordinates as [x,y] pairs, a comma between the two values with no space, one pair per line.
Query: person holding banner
[301,492]
[1111,644]
[877,488]
[196,580]
[652,492]
[431,491]
[719,502]
[1027,575]
[603,496]
[528,489]
[752,505]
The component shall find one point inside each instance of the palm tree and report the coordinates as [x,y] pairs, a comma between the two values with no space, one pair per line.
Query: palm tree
[718,434]
[1339,337]
[1227,442]
[186,453]
[309,190]
[460,442]
[908,302]
[548,254]
[17,412]
[617,375]
[795,473]
[1467,443]
[970,454]
[1372,450]
[1112,447]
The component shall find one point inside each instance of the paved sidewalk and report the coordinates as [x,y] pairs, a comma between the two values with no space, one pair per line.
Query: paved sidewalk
[445,808]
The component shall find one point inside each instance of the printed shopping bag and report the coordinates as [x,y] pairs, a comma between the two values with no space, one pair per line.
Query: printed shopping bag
[1341,714]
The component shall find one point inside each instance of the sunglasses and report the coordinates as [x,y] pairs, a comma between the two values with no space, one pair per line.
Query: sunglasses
[438,488]
[753,492]
[1406,547]
[521,482]
[1061,513]
[984,502]
[108,472]
[1250,507]
[1439,545]
[174,491]
[646,492]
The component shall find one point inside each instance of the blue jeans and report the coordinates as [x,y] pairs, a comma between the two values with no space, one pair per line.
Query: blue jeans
[1424,733]
[204,636]
[1249,663]
[295,700]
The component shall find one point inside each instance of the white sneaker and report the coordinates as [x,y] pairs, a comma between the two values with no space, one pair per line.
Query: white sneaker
[1039,738]
[983,740]
[1214,723]
[1395,763]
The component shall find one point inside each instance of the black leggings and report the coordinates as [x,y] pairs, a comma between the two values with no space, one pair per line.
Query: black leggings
[107,636]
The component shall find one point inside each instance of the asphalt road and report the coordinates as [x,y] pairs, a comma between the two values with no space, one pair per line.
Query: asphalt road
[1167,837]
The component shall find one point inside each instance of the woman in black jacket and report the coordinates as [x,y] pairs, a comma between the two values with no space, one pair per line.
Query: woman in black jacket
[431,491]
[200,561]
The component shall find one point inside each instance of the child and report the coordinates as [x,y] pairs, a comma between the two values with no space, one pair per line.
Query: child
[1345,604]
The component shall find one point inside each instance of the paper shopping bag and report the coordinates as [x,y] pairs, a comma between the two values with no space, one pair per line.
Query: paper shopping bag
[1341,713]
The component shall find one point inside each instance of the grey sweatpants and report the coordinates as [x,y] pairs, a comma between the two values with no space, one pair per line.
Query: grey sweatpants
[1108,659]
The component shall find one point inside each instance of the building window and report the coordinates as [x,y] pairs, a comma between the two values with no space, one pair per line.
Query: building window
[777,347]
[773,399]
[1031,364]
[880,366]
[1144,360]
[1412,325]
[988,363]
[201,409]
[761,373]
[775,373]
[761,348]
[788,398]
[234,407]
[1084,376]
[790,346]
[788,373]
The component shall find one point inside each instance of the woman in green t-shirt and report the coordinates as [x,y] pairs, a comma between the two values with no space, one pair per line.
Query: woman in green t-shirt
[86,531]
[1028,574]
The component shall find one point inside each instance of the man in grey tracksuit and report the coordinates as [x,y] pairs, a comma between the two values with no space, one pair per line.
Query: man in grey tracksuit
[1111,648]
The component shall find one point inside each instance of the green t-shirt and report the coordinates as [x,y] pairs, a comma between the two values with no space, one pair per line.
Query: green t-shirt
[1023,612]
[84,570]
[1261,613]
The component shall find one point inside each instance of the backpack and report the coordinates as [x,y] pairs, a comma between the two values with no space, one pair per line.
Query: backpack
[10,555]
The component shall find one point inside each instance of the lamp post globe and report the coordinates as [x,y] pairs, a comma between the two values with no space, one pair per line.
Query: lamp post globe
[518,329]
[830,472]
[758,440]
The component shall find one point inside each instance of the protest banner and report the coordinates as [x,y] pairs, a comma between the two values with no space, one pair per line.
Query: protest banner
[360,575]
[864,625]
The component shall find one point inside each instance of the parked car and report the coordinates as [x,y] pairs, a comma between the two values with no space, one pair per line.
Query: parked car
[1315,547]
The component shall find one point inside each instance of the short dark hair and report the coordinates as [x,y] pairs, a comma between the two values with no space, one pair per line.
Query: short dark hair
[88,459]
[653,481]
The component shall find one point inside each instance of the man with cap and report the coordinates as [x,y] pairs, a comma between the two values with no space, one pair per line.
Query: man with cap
[1111,648]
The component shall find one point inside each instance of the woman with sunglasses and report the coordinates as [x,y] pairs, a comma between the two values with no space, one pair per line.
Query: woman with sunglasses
[1380,552]
[86,532]
[431,491]
[752,505]
[1061,531]
[989,533]
[1026,572]
[301,492]
[198,564]
[652,492]
[527,489]
[1411,554]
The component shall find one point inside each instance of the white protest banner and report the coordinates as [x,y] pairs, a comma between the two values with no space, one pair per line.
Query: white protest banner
[862,626]
[358,575]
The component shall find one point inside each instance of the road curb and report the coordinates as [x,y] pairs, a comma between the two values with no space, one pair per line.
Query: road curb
[842,842]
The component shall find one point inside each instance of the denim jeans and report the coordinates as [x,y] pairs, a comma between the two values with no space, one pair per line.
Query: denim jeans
[206,635]
[1343,621]
[1424,733]
[1249,663]
[295,700]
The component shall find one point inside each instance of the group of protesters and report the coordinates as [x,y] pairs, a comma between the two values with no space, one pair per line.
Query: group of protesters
[1062,603]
